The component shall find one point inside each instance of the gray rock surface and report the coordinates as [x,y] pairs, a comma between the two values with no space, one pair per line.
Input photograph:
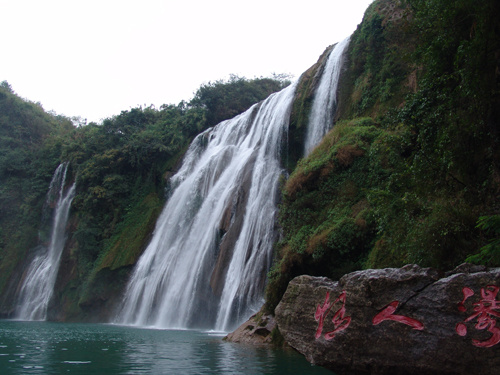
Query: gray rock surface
[396,321]
[256,330]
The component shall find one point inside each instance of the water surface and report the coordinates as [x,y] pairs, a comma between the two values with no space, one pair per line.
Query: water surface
[57,348]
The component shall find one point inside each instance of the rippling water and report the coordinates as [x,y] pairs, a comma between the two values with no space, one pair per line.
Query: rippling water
[56,348]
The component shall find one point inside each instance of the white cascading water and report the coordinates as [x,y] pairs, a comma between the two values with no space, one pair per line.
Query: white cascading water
[225,192]
[224,197]
[38,285]
[325,98]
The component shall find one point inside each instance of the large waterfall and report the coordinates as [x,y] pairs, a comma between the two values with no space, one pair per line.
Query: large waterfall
[325,98]
[208,259]
[207,262]
[38,285]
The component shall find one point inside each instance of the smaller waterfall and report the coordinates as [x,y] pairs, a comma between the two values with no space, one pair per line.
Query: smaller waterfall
[325,98]
[40,278]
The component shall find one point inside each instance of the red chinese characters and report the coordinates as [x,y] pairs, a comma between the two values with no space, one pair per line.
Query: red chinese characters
[388,314]
[340,321]
[486,311]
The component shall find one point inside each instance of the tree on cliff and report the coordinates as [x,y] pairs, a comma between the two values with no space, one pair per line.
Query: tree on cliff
[224,99]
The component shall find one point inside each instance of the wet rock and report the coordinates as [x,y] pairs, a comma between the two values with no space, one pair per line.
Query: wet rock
[467,268]
[231,224]
[256,330]
[396,321]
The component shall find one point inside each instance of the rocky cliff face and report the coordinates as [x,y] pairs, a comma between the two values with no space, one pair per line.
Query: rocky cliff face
[396,321]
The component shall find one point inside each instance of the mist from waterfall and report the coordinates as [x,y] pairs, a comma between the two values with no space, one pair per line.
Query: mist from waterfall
[39,280]
[208,259]
[325,98]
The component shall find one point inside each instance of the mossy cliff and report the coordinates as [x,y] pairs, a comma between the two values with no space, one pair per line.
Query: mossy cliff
[410,180]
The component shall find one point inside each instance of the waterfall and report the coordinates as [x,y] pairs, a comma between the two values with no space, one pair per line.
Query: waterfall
[38,286]
[211,249]
[325,98]
[208,258]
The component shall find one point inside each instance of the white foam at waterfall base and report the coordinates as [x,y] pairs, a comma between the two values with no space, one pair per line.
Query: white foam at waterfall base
[170,285]
[38,284]
[325,98]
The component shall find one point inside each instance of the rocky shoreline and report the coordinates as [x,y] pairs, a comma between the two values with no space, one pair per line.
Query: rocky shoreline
[408,320]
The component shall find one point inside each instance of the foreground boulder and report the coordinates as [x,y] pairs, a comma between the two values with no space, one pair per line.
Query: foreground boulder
[396,321]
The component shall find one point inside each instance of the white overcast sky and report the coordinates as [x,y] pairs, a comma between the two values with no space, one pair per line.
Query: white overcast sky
[96,58]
